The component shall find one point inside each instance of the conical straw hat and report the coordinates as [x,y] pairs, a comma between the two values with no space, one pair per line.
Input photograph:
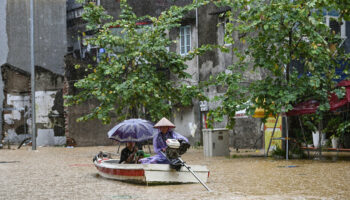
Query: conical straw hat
[164,122]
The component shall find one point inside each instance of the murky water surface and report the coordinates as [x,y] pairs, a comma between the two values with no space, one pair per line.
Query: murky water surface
[64,173]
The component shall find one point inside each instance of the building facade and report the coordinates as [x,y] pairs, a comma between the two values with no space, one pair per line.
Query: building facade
[198,27]
[59,32]
[50,48]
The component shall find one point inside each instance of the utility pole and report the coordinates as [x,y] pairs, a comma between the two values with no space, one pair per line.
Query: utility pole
[32,73]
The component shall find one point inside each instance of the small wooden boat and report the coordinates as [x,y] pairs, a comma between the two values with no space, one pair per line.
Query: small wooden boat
[149,173]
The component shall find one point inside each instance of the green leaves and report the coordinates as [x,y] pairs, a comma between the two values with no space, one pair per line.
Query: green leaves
[344,127]
[287,41]
[137,76]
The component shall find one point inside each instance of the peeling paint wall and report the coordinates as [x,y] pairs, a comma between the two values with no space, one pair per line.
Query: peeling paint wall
[44,101]
[1,108]
[17,106]
[50,48]
[49,108]
[48,119]
[16,115]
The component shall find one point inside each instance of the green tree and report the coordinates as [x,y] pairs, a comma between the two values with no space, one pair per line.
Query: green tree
[137,76]
[278,36]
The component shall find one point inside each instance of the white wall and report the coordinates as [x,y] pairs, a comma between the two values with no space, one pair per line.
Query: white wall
[44,101]
[18,104]
[183,119]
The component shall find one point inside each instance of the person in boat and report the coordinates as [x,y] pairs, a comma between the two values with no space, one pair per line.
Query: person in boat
[159,142]
[130,154]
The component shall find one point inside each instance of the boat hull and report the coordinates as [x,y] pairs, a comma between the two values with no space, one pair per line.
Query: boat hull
[149,173]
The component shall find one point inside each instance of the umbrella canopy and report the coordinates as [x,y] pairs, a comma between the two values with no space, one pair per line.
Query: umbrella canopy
[132,130]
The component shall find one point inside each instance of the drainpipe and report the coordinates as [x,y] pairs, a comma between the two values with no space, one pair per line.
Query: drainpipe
[1,135]
[32,73]
[2,87]
[198,80]
[197,57]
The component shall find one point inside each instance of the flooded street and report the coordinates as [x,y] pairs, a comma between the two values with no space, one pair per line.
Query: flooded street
[68,173]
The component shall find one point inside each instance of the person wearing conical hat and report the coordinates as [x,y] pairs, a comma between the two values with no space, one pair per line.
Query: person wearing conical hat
[165,128]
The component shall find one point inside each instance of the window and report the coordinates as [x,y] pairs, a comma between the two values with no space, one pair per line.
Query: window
[225,22]
[333,23]
[97,2]
[185,39]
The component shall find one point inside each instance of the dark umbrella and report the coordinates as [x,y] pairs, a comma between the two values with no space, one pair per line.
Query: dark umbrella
[132,130]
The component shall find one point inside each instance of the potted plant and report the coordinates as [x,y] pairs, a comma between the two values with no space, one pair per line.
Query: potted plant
[297,152]
[278,153]
[335,140]
[344,127]
[310,122]
[332,129]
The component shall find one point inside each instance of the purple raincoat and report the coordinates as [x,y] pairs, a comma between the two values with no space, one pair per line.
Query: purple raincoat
[158,144]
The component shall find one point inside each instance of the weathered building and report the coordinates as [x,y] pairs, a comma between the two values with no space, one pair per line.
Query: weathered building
[59,29]
[198,27]
[50,48]
[88,133]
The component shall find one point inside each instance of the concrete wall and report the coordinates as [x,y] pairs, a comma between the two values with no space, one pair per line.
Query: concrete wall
[49,29]
[3,54]
[246,131]
[49,108]
[50,48]
[207,65]
[212,63]
[187,119]
[207,34]
[17,106]
[3,34]
[88,133]
[93,132]
[144,7]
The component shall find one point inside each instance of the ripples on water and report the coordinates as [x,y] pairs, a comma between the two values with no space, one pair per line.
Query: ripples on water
[61,173]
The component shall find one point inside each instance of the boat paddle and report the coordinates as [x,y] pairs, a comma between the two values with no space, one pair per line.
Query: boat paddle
[179,161]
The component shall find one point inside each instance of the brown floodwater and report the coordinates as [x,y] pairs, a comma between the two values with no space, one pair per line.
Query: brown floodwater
[68,173]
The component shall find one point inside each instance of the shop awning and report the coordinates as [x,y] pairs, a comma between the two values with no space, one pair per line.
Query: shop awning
[309,107]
